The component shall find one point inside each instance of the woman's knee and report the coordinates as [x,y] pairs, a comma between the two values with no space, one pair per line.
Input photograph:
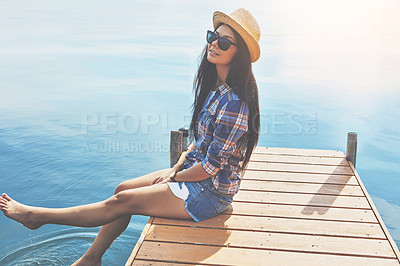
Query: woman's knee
[125,185]
[120,202]
[140,181]
[121,187]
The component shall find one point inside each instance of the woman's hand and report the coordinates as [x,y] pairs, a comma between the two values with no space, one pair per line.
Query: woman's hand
[164,178]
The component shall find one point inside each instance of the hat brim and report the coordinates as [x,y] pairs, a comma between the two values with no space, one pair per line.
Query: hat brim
[252,44]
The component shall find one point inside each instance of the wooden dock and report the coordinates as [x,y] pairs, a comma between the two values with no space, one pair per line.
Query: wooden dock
[294,207]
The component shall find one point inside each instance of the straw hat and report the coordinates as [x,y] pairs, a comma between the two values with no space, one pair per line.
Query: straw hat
[246,25]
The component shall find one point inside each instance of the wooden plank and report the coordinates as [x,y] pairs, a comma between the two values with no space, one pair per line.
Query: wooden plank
[300,177]
[282,225]
[156,263]
[298,152]
[300,168]
[173,252]
[302,199]
[303,212]
[328,189]
[135,250]
[375,211]
[298,159]
[294,205]
[260,240]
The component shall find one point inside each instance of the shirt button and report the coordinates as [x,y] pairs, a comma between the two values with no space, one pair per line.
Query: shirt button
[202,189]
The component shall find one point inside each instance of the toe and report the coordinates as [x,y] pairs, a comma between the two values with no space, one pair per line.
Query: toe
[5,196]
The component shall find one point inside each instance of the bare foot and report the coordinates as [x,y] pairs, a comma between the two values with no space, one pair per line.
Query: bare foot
[18,212]
[87,262]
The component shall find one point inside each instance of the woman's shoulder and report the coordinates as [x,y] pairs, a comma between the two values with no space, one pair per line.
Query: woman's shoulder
[230,98]
[231,104]
[229,95]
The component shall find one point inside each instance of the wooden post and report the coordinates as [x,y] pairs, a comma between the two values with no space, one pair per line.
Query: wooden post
[175,148]
[178,144]
[351,151]
[185,132]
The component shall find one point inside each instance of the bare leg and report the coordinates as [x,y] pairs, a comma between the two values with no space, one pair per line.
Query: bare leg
[90,215]
[109,232]
[156,200]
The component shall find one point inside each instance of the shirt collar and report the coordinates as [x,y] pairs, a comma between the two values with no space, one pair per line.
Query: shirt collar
[224,88]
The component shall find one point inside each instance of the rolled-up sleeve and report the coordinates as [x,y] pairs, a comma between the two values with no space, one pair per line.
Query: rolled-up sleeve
[230,125]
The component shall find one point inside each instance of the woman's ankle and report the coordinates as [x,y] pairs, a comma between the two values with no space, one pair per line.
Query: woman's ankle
[92,257]
[88,260]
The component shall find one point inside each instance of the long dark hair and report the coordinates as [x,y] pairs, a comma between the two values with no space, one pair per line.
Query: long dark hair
[241,80]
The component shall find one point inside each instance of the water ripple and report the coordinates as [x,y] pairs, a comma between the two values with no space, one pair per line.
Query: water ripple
[51,249]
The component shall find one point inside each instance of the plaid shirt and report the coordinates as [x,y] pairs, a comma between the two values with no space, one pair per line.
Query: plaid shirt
[221,139]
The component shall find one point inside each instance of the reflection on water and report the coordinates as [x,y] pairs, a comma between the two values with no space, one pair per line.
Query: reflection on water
[90,90]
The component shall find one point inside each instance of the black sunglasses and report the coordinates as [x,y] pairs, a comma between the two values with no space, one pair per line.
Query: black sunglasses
[223,43]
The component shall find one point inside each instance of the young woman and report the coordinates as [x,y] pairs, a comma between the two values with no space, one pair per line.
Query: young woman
[225,126]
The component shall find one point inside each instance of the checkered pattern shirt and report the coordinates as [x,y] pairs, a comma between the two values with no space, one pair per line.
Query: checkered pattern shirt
[221,139]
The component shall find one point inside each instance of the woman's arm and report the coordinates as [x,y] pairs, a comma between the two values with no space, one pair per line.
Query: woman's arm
[230,125]
[176,168]
[179,165]
[192,174]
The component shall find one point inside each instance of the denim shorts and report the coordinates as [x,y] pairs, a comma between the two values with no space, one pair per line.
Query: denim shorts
[202,199]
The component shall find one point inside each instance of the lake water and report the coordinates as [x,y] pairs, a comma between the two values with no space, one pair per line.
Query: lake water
[89,91]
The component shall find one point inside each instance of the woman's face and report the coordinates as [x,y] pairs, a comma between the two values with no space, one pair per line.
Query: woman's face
[217,56]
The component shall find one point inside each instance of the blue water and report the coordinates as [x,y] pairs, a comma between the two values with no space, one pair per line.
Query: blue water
[89,91]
